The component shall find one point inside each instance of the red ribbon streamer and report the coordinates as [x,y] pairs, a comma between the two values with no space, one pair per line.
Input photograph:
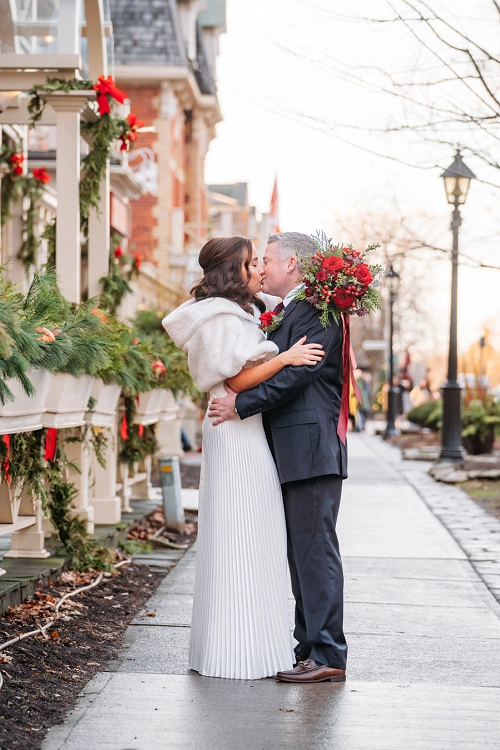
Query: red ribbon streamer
[124,428]
[50,444]
[348,367]
[6,463]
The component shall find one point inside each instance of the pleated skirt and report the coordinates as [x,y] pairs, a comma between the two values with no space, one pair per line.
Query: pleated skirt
[240,627]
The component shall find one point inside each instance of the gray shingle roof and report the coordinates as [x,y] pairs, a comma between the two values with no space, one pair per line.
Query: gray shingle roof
[146,32]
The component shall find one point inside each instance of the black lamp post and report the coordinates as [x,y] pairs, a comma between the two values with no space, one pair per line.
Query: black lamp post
[456,182]
[393,285]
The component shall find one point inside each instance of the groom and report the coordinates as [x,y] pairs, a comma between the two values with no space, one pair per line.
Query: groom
[300,407]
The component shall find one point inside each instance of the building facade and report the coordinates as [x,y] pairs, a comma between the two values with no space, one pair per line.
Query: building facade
[164,58]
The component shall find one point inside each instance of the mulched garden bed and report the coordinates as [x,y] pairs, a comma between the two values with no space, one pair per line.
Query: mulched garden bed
[43,677]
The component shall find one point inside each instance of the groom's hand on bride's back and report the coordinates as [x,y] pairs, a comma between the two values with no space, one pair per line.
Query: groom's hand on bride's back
[222,409]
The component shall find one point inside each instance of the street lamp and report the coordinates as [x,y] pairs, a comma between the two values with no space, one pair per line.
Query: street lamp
[393,280]
[456,182]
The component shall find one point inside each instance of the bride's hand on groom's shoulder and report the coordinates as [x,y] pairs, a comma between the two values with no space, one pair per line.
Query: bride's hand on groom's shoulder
[222,409]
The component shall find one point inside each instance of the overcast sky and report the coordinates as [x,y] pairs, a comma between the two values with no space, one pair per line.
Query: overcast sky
[267,89]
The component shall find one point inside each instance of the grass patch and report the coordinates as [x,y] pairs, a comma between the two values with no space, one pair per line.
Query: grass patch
[486,492]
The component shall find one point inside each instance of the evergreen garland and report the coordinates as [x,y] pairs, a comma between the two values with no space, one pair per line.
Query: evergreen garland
[37,104]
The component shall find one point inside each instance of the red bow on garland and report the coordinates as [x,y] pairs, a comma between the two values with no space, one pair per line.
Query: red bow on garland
[50,444]
[348,367]
[6,463]
[107,89]
[134,125]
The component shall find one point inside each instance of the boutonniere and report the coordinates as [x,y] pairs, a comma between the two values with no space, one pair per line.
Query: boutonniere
[269,322]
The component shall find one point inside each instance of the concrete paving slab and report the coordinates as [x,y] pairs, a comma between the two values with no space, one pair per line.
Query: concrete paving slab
[391,521]
[414,592]
[406,569]
[154,712]
[163,650]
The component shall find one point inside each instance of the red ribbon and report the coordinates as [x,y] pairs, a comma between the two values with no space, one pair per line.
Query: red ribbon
[6,463]
[105,88]
[50,444]
[348,367]
[124,428]
[141,430]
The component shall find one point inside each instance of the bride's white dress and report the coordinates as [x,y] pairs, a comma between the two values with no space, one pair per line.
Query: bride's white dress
[240,626]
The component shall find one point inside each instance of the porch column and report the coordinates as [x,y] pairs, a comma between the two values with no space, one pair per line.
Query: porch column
[68,106]
[99,242]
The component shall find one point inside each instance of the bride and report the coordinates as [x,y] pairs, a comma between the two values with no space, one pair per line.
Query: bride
[240,627]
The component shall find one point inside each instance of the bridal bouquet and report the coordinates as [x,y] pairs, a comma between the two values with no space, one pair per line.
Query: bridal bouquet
[339,280]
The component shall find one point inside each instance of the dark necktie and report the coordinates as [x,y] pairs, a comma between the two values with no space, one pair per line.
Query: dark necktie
[278,308]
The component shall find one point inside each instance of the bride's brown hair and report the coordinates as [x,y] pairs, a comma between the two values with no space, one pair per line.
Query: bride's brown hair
[221,259]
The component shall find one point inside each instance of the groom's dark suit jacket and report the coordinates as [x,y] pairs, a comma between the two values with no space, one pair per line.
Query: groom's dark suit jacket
[301,405]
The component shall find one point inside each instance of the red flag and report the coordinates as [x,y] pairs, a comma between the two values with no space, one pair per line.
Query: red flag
[50,444]
[274,214]
[6,463]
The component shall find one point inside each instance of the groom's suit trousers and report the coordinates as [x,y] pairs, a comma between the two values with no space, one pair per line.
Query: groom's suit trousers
[311,509]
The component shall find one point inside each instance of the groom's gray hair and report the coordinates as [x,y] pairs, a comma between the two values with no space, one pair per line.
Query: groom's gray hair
[292,243]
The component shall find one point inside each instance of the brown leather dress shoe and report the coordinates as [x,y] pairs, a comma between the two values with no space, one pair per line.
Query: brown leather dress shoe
[309,671]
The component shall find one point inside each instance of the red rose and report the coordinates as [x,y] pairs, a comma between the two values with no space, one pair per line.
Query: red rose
[41,175]
[266,318]
[138,258]
[342,298]
[322,275]
[118,252]
[333,264]
[18,169]
[363,275]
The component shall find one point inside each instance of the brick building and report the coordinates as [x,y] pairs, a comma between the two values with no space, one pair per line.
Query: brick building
[165,55]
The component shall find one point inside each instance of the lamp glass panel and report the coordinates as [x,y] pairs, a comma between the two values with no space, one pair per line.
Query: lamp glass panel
[393,282]
[456,188]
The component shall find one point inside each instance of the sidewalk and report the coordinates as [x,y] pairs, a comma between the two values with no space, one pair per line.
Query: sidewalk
[423,632]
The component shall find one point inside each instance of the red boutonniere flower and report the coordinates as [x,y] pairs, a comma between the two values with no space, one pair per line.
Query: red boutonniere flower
[107,89]
[41,175]
[270,322]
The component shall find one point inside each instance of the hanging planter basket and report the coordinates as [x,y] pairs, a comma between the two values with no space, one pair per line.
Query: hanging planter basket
[106,399]
[150,406]
[25,413]
[67,401]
